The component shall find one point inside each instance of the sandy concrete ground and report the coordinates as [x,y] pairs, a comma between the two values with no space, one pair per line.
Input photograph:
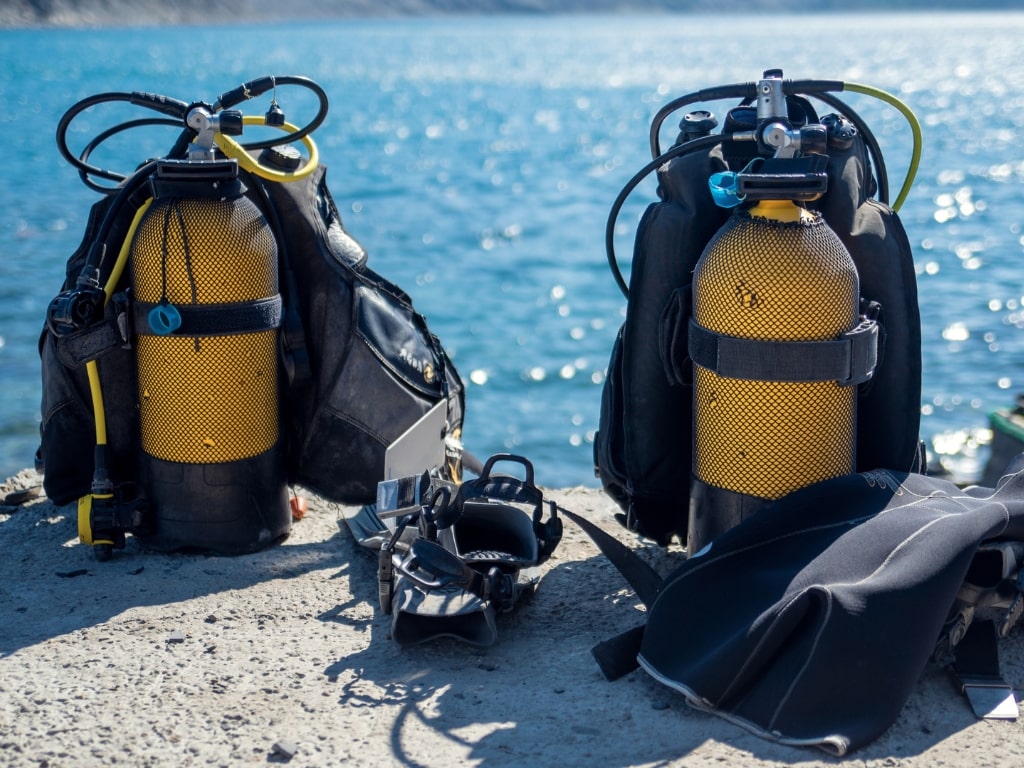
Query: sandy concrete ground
[284,657]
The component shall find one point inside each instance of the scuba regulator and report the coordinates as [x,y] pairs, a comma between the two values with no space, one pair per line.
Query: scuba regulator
[191,288]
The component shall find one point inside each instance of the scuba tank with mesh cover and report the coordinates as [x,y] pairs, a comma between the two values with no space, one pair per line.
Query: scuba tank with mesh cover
[206,319]
[772,347]
[219,339]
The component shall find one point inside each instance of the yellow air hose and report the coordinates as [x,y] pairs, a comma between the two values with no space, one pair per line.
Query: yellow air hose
[96,390]
[915,128]
[232,148]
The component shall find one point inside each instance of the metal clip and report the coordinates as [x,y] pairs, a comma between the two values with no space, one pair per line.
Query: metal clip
[990,698]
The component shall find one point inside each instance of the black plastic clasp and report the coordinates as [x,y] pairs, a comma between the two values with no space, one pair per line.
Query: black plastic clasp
[549,532]
[863,339]
[795,178]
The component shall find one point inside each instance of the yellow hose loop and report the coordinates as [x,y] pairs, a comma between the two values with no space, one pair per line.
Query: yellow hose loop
[232,148]
[915,128]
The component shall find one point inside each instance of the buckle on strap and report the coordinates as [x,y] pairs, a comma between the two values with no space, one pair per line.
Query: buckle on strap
[990,699]
[77,347]
[977,673]
[849,360]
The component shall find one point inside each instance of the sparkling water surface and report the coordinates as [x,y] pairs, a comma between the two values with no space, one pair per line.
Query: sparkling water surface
[476,159]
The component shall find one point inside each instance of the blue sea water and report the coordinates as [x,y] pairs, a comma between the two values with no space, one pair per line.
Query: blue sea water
[477,158]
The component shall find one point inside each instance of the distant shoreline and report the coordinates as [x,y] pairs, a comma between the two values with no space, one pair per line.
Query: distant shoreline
[72,14]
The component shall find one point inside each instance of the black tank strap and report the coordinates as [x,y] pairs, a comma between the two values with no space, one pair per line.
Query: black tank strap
[849,360]
[217,319]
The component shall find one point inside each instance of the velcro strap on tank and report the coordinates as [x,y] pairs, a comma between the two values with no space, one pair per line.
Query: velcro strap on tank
[217,319]
[94,341]
[848,360]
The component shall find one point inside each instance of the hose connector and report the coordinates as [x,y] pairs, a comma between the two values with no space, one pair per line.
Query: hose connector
[207,124]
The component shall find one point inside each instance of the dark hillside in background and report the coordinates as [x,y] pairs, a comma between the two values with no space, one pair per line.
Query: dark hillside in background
[69,13]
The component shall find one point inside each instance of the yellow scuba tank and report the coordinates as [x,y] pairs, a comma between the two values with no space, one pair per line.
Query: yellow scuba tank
[775,273]
[776,337]
[207,311]
[768,329]
[207,314]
